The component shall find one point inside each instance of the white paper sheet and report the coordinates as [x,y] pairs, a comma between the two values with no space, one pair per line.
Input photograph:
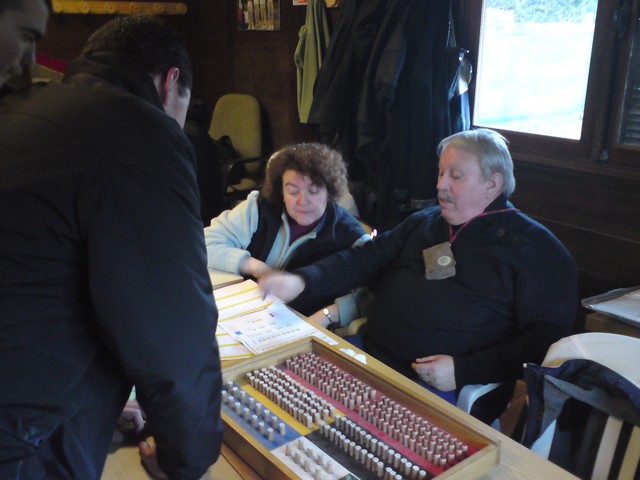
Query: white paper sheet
[260,324]
[230,348]
[625,307]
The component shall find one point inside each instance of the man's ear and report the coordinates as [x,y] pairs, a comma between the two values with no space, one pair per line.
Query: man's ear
[494,184]
[168,84]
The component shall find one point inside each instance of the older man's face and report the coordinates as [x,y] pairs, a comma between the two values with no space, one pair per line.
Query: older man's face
[19,31]
[463,192]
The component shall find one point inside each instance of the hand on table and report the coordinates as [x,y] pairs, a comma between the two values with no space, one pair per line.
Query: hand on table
[149,460]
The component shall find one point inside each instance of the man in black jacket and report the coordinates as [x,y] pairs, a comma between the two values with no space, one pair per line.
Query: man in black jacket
[103,278]
[465,292]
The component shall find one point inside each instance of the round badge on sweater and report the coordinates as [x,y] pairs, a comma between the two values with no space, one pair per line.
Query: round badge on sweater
[444,260]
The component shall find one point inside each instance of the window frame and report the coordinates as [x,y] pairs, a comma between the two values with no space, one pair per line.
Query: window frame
[622,153]
[586,154]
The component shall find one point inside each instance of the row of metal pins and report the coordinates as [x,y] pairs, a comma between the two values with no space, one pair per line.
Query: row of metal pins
[399,422]
[261,420]
[309,460]
[371,452]
[304,406]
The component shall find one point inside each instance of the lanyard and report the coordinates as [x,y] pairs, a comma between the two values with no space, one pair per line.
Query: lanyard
[453,236]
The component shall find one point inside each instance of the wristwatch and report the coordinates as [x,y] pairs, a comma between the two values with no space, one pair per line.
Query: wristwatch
[332,325]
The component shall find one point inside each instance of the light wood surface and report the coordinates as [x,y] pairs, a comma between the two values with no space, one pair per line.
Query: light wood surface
[124,464]
[599,322]
[515,462]
[221,279]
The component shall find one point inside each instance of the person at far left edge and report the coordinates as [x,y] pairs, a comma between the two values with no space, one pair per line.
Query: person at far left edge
[103,267]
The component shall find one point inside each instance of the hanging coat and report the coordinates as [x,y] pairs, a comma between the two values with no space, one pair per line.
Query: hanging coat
[312,47]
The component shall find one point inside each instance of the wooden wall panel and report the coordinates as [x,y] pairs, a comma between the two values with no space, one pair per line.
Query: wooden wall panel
[588,202]
[211,45]
[225,59]
[66,34]
[596,217]
[203,29]
[263,66]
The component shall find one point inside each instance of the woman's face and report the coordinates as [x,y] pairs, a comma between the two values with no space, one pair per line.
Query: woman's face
[304,200]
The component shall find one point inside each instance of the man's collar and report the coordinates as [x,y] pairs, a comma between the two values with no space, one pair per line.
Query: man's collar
[500,203]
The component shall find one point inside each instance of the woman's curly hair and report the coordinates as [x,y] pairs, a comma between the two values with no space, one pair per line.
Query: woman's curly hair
[322,164]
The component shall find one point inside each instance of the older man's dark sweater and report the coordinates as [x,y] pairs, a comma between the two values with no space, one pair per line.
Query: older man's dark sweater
[514,293]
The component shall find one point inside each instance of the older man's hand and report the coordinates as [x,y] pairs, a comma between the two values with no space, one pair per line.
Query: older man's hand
[437,371]
[285,286]
[132,419]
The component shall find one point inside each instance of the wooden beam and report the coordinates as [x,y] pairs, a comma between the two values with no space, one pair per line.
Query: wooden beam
[116,7]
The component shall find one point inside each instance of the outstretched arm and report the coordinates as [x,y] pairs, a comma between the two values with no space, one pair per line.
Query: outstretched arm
[286,286]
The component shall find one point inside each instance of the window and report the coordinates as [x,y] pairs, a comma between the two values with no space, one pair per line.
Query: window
[548,76]
[533,66]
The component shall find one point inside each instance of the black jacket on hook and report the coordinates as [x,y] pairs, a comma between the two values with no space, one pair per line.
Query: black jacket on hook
[382,98]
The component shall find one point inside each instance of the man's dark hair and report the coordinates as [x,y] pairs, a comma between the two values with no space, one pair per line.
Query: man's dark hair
[144,40]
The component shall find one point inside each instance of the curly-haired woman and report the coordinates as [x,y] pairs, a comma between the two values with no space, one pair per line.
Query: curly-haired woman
[295,220]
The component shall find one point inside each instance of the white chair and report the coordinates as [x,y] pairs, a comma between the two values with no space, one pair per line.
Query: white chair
[584,406]
[488,402]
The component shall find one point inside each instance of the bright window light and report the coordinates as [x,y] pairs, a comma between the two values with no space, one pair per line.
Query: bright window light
[533,65]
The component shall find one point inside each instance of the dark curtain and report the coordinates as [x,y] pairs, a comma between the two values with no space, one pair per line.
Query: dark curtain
[383,97]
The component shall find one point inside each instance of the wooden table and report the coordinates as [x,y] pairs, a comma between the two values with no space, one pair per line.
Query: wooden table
[124,464]
[221,279]
[600,322]
[516,462]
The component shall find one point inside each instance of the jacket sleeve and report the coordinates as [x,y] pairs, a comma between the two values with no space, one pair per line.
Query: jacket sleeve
[152,295]
[545,306]
[358,265]
[230,234]
[356,303]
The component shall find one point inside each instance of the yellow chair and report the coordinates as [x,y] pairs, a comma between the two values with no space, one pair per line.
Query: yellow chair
[237,117]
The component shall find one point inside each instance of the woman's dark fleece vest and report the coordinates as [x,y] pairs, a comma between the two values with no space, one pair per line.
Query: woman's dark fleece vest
[338,230]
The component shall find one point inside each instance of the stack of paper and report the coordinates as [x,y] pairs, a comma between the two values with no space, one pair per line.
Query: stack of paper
[623,304]
[250,324]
